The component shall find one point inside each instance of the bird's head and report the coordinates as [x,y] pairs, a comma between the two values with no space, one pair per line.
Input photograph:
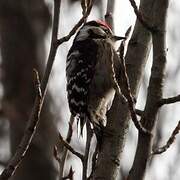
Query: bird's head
[96,30]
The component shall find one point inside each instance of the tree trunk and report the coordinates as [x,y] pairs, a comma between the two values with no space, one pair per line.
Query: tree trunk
[108,163]
[155,90]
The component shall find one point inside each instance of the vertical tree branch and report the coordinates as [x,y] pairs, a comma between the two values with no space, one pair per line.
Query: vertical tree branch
[169,142]
[154,90]
[34,118]
[126,88]
[53,47]
[65,150]
[109,13]
[108,163]
[29,132]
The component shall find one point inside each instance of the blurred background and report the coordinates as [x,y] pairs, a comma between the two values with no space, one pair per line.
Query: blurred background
[25,32]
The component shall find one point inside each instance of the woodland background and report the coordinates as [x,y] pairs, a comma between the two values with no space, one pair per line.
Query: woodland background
[25,31]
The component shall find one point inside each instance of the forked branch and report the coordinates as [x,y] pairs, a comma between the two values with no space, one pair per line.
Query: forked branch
[71,149]
[77,26]
[28,134]
[170,100]
[141,18]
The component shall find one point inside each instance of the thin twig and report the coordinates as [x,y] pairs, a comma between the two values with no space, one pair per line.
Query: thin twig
[141,18]
[169,142]
[113,74]
[155,88]
[139,112]
[84,6]
[79,155]
[109,13]
[87,149]
[28,134]
[127,90]
[94,160]
[56,155]
[65,150]
[170,100]
[34,118]
[77,26]
[37,84]
[35,114]
[70,176]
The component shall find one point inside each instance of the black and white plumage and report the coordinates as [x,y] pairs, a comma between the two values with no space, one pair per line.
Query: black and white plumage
[89,73]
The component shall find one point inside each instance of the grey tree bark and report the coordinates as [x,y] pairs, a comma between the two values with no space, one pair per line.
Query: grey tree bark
[109,159]
[155,89]
[23,26]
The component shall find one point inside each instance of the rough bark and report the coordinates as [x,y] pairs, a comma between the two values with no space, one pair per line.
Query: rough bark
[23,26]
[148,119]
[108,163]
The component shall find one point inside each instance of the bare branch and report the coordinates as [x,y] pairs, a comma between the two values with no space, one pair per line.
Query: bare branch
[35,114]
[127,91]
[140,17]
[70,176]
[117,124]
[56,155]
[139,112]
[70,130]
[169,142]
[37,83]
[79,155]
[34,118]
[94,159]
[170,100]
[77,26]
[109,13]
[61,160]
[155,89]
[28,134]
[65,151]
[115,81]
[84,6]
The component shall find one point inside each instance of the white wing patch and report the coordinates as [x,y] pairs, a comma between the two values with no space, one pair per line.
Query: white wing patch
[77,103]
[78,89]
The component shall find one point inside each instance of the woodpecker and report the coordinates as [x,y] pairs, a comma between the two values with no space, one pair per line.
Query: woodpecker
[90,90]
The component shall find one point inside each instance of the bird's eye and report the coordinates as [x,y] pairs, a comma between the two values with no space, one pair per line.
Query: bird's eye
[107,31]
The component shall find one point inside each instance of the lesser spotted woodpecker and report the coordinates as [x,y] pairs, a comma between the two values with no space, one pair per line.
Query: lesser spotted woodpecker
[90,89]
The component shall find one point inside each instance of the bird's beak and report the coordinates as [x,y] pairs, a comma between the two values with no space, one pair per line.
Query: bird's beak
[117,38]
